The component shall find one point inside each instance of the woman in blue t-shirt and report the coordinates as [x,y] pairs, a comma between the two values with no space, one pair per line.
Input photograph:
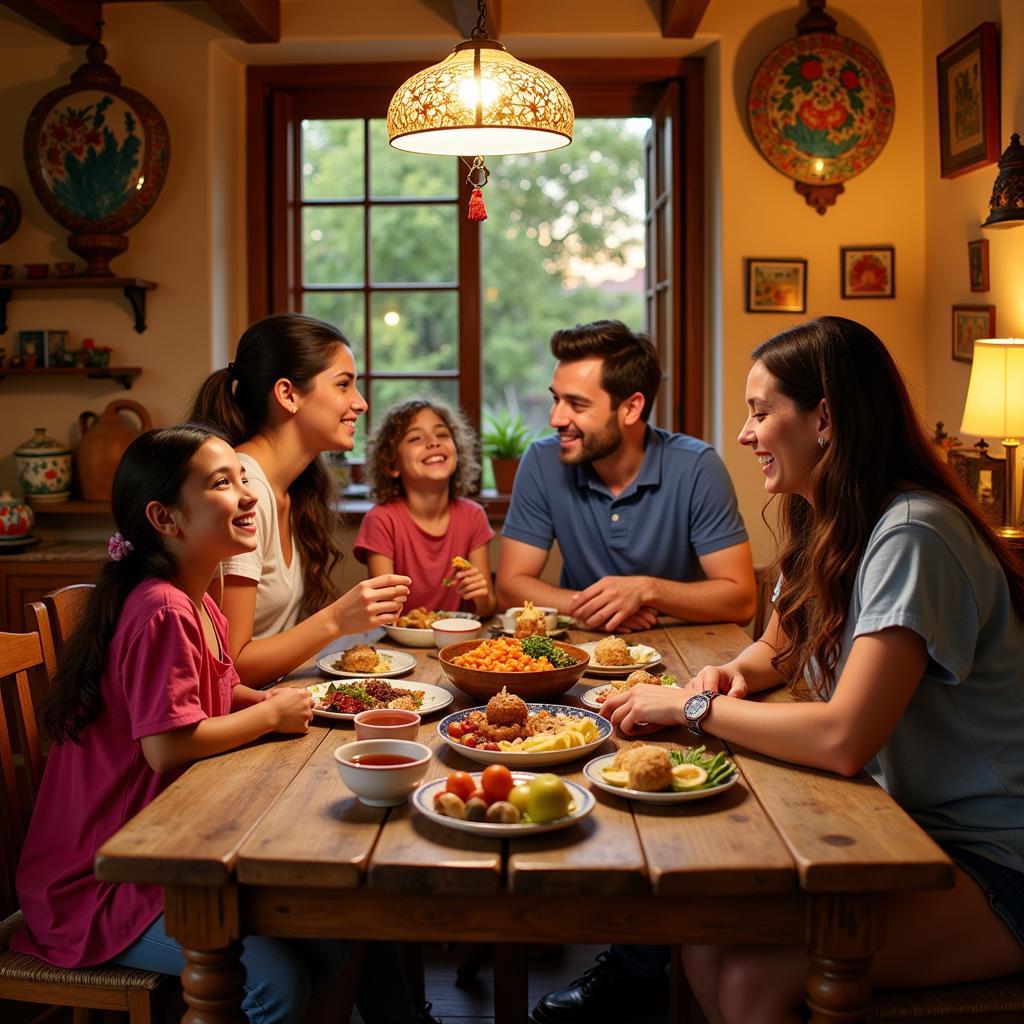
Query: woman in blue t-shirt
[903,611]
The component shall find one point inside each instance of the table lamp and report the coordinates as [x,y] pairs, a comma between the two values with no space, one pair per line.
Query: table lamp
[995,406]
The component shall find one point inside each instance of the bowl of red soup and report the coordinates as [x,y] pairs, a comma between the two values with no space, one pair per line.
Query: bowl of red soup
[382,773]
[387,724]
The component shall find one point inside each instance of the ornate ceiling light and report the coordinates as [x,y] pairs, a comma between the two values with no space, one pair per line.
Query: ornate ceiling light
[478,102]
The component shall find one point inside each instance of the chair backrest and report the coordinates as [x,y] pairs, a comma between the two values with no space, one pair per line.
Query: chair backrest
[20,655]
[66,606]
[765,578]
[37,620]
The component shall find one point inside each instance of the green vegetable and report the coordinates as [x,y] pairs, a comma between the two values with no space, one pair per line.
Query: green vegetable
[545,647]
[719,768]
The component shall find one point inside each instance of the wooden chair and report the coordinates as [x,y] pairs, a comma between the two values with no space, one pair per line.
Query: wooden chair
[24,978]
[66,606]
[765,577]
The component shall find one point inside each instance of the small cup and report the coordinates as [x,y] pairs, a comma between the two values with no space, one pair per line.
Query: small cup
[383,785]
[451,631]
[65,269]
[36,270]
[508,618]
[387,724]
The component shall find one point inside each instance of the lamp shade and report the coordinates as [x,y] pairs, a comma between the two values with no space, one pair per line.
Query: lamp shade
[995,395]
[480,101]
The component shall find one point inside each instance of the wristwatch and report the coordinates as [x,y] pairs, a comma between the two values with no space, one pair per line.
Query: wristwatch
[696,709]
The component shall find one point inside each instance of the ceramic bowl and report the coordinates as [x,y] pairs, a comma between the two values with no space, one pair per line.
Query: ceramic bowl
[387,724]
[450,631]
[411,637]
[508,618]
[531,686]
[382,785]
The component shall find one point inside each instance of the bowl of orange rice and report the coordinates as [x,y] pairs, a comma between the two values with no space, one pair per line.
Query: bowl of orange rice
[481,668]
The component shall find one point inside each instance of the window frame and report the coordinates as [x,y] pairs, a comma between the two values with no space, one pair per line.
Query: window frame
[669,89]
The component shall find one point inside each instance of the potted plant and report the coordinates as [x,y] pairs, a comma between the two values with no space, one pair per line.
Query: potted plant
[504,439]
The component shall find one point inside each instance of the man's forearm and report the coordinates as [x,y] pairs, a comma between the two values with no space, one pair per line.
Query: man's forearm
[703,601]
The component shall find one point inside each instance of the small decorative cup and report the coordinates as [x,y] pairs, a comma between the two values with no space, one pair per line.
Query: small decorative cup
[65,269]
[16,519]
[36,270]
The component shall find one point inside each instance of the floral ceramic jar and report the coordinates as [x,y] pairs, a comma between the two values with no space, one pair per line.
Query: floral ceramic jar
[44,469]
[16,519]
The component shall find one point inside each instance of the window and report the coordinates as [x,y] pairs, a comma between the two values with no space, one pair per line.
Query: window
[377,241]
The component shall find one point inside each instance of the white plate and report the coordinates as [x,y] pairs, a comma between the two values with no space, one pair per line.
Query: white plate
[592,770]
[589,697]
[582,804]
[527,759]
[434,698]
[400,662]
[556,634]
[648,655]
[420,637]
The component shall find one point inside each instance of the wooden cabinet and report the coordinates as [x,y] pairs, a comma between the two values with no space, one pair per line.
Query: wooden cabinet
[28,577]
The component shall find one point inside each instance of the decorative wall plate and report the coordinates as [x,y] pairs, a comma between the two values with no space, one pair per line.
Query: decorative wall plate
[97,155]
[820,108]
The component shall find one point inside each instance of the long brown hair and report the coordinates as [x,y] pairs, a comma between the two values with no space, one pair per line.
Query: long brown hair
[876,446]
[382,450]
[236,400]
[154,467]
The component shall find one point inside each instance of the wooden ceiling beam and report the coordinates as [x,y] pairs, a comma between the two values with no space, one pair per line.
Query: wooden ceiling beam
[73,21]
[254,21]
[680,19]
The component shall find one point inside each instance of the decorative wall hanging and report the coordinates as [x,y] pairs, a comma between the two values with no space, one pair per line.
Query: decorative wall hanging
[776,285]
[97,155]
[977,264]
[820,108]
[969,324]
[10,213]
[867,272]
[969,102]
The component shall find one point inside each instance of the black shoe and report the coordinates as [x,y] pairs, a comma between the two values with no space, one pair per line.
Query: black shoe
[606,994]
[424,1016]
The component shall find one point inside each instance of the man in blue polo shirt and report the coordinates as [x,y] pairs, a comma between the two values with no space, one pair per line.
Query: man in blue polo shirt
[647,524]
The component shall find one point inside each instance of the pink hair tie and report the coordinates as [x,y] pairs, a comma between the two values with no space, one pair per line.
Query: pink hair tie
[118,547]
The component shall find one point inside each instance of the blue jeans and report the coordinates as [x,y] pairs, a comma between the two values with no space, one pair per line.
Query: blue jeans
[643,961]
[282,974]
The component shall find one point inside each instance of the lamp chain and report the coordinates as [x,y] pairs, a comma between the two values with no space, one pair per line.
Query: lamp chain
[480,31]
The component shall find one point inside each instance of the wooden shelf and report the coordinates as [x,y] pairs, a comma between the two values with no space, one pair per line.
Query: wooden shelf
[134,289]
[124,375]
[73,507]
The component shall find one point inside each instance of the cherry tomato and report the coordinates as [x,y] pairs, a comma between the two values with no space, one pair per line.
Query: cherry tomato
[470,740]
[491,746]
[496,782]
[479,794]
[461,784]
[456,729]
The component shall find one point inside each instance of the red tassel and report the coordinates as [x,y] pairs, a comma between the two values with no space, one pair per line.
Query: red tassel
[477,210]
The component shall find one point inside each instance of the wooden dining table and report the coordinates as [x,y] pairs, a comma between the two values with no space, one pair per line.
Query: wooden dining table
[267,840]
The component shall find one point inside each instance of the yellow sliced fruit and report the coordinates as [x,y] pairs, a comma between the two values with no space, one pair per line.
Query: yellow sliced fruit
[562,741]
[576,738]
[588,729]
[615,777]
[540,744]
[688,776]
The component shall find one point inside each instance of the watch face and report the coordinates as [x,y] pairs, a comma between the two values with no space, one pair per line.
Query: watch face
[696,706]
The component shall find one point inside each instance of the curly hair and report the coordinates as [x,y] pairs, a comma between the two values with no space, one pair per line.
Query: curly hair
[877,447]
[382,450]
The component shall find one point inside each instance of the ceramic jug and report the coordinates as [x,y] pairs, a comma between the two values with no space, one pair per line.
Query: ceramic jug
[104,439]
[15,519]
[44,468]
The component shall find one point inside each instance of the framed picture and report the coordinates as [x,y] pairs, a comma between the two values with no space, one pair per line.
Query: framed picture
[969,324]
[776,285]
[867,272]
[56,348]
[31,347]
[969,102]
[984,477]
[977,264]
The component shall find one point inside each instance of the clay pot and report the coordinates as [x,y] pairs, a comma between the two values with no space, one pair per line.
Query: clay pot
[104,439]
[16,519]
[44,468]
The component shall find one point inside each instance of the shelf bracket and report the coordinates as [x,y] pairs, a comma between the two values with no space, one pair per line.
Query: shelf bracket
[5,297]
[137,297]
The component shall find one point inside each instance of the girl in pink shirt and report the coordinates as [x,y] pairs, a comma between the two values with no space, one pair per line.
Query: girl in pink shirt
[421,463]
[144,687]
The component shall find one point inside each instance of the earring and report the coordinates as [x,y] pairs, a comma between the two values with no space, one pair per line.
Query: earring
[821,441]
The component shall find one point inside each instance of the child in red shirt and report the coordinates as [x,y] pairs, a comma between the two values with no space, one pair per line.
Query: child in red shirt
[421,463]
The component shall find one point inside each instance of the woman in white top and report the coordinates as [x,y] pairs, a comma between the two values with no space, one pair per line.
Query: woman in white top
[289,395]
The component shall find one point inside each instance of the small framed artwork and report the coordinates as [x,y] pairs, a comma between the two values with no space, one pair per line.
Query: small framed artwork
[969,324]
[776,285]
[867,272]
[977,264]
[984,477]
[56,348]
[969,102]
[31,346]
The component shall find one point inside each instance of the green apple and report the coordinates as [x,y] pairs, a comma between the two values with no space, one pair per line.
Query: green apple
[549,798]
[520,797]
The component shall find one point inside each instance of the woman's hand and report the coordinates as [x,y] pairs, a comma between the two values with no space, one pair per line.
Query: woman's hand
[719,677]
[645,708]
[291,708]
[372,603]
[471,584]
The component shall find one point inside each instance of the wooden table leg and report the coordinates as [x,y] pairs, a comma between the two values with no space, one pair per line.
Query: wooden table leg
[204,919]
[843,932]
[510,983]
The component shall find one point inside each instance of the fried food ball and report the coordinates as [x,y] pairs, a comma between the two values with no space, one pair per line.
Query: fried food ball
[361,658]
[459,563]
[612,650]
[492,733]
[650,769]
[634,679]
[531,621]
[625,754]
[506,708]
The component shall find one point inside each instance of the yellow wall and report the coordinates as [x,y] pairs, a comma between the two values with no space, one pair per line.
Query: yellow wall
[192,243]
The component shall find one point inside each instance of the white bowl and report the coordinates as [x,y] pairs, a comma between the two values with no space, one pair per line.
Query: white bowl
[451,631]
[382,785]
[387,724]
[508,618]
[411,637]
